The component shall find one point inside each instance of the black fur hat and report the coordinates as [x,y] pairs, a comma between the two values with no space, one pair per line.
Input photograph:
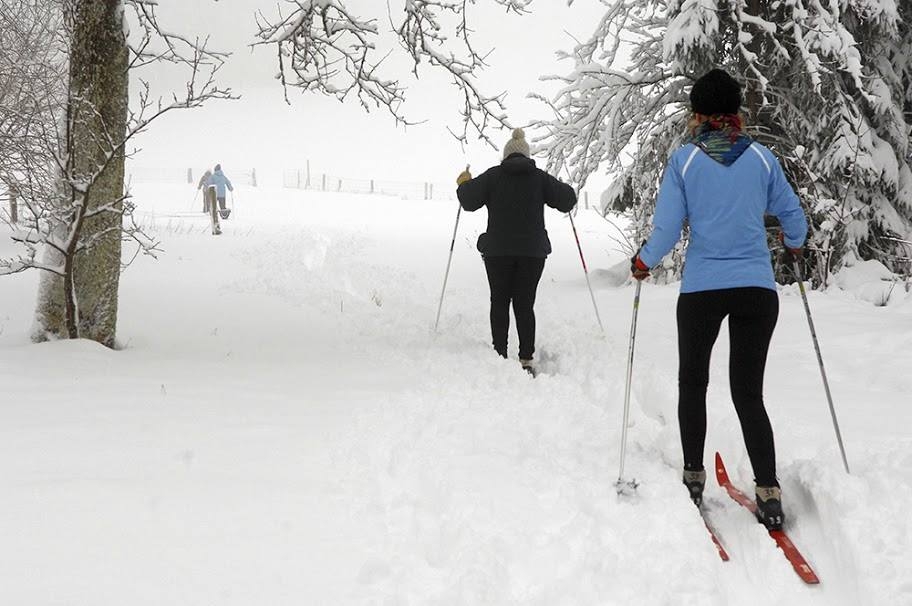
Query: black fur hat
[715,92]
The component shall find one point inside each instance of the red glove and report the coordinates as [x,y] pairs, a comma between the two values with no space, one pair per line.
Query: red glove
[789,254]
[638,269]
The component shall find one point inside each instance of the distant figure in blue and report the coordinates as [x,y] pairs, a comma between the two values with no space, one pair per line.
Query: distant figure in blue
[723,184]
[220,182]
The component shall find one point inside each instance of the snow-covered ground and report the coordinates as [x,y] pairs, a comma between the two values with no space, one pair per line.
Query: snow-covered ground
[282,426]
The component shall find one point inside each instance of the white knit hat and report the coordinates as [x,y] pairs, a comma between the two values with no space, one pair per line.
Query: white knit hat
[517,144]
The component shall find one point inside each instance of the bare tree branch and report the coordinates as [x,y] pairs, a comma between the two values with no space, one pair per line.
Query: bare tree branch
[323,47]
[58,174]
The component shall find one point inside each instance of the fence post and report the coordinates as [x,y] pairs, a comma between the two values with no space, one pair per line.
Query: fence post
[213,210]
[299,179]
[190,176]
[324,181]
[430,191]
[253,177]
[372,186]
[339,188]
[307,183]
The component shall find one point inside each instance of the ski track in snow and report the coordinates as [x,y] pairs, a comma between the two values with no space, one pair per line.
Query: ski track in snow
[283,426]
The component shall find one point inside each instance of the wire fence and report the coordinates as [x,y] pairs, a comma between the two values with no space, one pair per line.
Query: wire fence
[408,190]
[172,174]
[304,179]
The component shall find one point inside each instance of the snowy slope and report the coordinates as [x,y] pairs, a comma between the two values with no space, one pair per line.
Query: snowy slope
[282,426]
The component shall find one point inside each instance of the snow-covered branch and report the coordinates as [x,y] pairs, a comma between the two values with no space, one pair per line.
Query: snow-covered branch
[170,46]
[833,80]
[323,47]
[67,126]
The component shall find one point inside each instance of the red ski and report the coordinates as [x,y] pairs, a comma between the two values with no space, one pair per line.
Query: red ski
[802,568]
[715,539]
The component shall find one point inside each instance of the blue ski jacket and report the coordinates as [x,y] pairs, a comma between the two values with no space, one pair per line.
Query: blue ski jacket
[724,205]
[220,181]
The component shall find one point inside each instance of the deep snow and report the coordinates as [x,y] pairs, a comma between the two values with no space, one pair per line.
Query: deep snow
[282,426]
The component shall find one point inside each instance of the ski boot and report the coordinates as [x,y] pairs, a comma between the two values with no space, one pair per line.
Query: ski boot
[528,367]
[769,507]
[695,481]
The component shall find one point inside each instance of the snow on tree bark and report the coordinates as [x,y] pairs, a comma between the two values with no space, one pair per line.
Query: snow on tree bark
[64,130]
[96,124]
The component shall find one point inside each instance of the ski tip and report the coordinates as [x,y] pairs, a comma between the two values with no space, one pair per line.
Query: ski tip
[810,578]
[715,539]
[802,568]
[721,473]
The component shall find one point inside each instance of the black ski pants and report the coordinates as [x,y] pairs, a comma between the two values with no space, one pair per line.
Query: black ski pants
[752,315]
[514,280]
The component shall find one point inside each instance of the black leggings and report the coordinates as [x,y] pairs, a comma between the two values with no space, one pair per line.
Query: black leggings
[752,314]
[514,279]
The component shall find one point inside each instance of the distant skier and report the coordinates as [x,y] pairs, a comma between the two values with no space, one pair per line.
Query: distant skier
[203,184]
[515,245]
[220,181]
[722,183]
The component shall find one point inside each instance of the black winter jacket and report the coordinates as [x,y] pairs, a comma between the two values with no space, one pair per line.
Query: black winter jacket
[515,193]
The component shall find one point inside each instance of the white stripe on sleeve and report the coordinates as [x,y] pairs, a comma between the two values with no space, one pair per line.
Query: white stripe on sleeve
[689,160]
[766,163]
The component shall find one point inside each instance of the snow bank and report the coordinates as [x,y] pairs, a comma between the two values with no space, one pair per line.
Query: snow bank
[282,426]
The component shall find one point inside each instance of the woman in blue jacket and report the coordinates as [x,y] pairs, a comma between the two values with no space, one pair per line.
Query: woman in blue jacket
[723,183]
[220,182]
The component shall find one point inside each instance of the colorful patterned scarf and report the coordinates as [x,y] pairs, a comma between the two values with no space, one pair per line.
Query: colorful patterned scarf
[721,138]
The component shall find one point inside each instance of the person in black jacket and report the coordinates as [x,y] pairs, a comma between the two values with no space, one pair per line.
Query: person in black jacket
[515,245]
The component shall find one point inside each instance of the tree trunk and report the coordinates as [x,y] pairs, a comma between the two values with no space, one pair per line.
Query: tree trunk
[97,110]
[13,194]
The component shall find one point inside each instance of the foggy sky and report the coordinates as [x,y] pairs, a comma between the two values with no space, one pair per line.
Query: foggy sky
[261,130]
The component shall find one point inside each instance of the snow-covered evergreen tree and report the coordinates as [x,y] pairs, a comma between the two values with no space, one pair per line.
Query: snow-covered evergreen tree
[827,87]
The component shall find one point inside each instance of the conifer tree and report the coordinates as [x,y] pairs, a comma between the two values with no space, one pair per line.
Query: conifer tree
[827,87]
